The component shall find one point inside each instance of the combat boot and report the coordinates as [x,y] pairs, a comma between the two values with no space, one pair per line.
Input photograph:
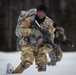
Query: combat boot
[19,69]
[42,67]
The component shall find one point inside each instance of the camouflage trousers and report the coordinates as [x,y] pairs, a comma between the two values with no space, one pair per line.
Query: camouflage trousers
[56,54]
[29,53]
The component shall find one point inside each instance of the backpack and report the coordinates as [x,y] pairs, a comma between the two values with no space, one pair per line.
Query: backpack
[23,15]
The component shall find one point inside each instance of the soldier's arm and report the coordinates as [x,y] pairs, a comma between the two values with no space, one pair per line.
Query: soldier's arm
[51,31]
[24,28]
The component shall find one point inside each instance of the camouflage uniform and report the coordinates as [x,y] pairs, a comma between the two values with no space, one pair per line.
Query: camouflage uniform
[56,54]
[20,40]
[30,52]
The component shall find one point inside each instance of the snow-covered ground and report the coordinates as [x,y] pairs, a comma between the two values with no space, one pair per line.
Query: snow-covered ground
[67,66]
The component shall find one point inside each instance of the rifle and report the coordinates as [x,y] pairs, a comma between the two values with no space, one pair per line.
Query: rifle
[45,34]
[67,41]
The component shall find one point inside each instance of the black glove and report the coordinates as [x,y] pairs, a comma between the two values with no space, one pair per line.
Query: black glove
[52,63]
[56,40]
[64,42]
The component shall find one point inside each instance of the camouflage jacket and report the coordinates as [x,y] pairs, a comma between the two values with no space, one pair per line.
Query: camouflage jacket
[23,30]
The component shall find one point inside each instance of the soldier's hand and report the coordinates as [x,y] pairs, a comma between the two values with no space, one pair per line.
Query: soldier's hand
[64,42]
[39,42]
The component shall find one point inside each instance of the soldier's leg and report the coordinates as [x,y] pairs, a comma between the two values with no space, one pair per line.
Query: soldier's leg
[41,61]
[58,54]
[27,59]
[53,57]
[41,58]
[21,67]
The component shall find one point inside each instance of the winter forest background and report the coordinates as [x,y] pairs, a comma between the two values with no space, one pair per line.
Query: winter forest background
[63,12]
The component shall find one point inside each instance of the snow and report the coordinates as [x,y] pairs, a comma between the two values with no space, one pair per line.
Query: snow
[67,66]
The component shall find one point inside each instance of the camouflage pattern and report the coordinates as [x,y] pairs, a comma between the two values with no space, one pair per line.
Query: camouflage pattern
[56,54]
[60,35]
[30,52]
[30,13]
[22,31]
[23,15]
[27,54]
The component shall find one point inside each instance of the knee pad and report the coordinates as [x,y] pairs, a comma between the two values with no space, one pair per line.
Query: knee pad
[26,65]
